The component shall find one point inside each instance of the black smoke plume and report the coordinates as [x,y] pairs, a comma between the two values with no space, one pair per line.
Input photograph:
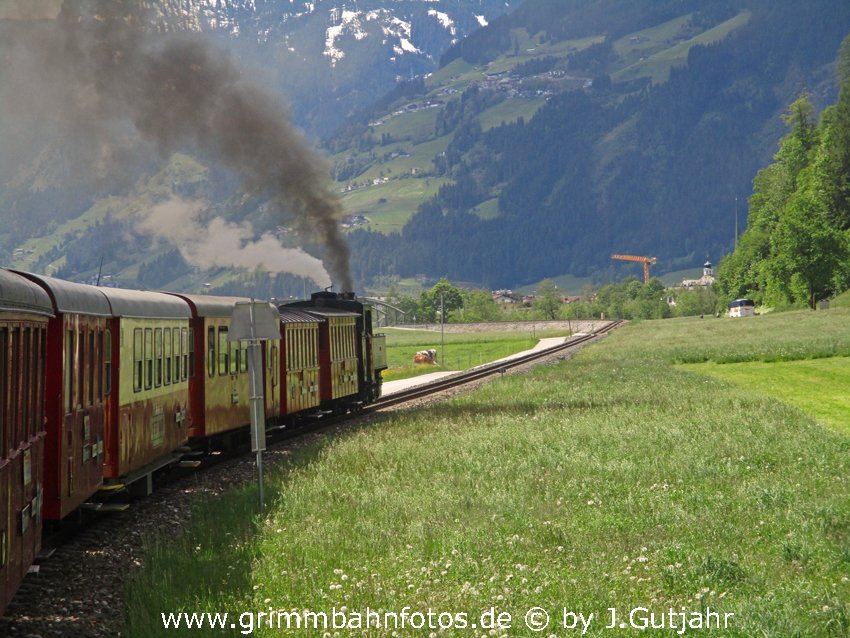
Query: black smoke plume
[97,70]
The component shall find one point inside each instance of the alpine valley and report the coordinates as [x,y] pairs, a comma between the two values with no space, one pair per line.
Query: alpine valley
[490,142]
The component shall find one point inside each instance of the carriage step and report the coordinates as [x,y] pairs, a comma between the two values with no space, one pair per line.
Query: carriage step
[46,553]
[113,487]
[189,465]
[114,507]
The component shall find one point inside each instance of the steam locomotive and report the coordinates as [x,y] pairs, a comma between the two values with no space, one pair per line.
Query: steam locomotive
[100,388]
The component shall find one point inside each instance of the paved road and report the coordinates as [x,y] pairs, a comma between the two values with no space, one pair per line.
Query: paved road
[390,387]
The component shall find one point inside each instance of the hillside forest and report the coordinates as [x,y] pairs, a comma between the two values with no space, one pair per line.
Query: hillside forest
[646,166]
[796,249]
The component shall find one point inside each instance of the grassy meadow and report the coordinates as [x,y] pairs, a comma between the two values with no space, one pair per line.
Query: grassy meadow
[817,386]
[616,479]
[462,350]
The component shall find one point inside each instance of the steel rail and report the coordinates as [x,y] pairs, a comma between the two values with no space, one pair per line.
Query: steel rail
[484,371]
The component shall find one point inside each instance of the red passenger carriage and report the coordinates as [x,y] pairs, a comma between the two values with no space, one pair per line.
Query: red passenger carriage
[77,384]
[131,376]
[24,312]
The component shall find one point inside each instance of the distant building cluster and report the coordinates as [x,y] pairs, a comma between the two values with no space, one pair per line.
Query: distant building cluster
[351,221]
[705,281]
[509,297]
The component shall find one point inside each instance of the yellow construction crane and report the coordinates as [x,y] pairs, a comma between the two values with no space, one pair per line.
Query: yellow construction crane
[646,261]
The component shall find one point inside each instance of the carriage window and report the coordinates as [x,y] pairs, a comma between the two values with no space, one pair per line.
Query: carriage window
[107,362]
[175,346]
[14,379]
[243,363]
[166,355]
[157,341]
[42,336]
[26,387]
[99,393]
[223,353]
[211,351]
[91,362]
[296,347]
[4,345]
[286,348]
[148,358]
[80,368]
[189,353]
[233,356]
[138,358]
[340,341]
[337,342]
[69,368]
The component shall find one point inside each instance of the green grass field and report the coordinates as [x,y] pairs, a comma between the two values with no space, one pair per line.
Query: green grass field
[388,206]
[616,479]
[817,386]
[657,65]
[462,351]
[509,111]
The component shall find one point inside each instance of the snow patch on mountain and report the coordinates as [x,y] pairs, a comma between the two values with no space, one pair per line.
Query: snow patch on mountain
[353,23]
[342,22]
[444,19]
[400,29]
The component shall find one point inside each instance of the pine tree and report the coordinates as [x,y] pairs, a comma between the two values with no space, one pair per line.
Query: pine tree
[838,146]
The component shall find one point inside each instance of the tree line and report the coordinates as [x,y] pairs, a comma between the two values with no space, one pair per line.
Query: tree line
[796,247]
[629,299]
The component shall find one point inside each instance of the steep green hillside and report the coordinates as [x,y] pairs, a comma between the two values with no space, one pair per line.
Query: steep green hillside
[569,132]
[71,192]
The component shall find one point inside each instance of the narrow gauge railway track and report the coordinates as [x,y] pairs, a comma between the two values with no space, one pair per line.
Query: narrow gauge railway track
[487,370]
[79,588]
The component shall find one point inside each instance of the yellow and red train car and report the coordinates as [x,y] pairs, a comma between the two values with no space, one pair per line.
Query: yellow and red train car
[102,387]
[297,363]
[147,411]
[351,355]
[218,389]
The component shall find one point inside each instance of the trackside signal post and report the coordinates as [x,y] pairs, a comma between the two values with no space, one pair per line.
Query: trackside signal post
[255,321]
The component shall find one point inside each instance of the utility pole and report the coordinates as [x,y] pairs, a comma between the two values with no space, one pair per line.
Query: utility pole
[736,222]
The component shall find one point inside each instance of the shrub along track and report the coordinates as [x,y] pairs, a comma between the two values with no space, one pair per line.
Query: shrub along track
[79,589]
